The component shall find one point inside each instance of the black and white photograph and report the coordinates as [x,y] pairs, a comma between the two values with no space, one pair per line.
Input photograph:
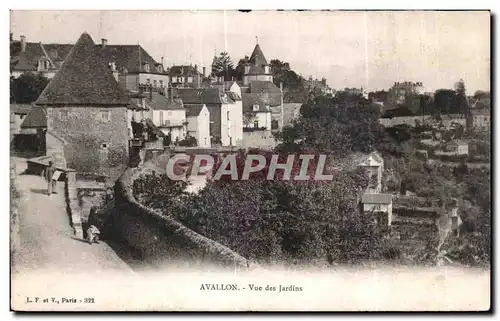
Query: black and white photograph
[250,160]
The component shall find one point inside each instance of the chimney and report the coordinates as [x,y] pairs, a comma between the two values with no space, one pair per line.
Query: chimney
[204,71]
[150,92]
[23,43]
[104,42]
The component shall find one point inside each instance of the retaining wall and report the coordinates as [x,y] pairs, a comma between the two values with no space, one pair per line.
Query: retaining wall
[158,239]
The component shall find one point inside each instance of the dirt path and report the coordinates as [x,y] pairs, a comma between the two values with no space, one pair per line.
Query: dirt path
[46,238]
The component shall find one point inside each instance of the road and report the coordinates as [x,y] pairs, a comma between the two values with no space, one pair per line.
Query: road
[46,238]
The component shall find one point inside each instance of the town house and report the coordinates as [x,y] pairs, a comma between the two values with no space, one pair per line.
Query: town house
[225,113]
[198,123]
[87,112]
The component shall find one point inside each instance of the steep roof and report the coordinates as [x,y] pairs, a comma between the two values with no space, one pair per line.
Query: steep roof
[36,118]
[160,102]
[199,96]
[257,58]
[84,79]
[176,71]
[259,86]
[249,100]
[193,110]
[132,57]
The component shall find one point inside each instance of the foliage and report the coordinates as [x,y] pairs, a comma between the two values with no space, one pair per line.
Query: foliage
[189,141]
[27,88]
[340,125]
[160,192]
[223,66]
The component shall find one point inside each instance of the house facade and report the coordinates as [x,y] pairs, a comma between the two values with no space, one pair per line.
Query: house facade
[224,112]
[186,76]
[480,118]
[131,65]
[87,113]
[198,124]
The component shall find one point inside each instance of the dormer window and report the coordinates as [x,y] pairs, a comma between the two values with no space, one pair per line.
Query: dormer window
[255,107]
[146,67]
[160,68]
[266,69]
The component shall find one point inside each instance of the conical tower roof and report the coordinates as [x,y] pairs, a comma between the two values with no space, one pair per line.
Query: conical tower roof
[83,79]
[257,58]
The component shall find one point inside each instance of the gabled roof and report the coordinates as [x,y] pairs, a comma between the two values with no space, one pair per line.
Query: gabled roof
[249,100]
[257,58]
[267,99]
[132,57]
[193,110]
[259,86]
[199,96]
[160,102]
[36,118]
[84,79]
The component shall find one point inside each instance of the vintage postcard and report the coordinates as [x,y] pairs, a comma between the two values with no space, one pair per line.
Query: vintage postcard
[247,160]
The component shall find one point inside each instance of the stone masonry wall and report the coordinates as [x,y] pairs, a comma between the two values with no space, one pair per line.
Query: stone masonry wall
[93,145]
[72,203]
[159,240]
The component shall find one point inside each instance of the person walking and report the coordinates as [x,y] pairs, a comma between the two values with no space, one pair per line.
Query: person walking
[51,183]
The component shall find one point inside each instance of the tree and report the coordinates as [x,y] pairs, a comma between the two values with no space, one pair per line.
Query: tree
[27,88]
[223,66]
[240,68]
[340,125]
[462,102]
[445,101]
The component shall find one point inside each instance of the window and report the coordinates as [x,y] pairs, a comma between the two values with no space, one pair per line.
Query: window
[161,117]
[63,115]
[148,81]
[190,79]
[160,68]
[161,83]
[154,83]
[146,67]
[256,124]
[228,115]
[274,124]
[105,116]
[104,146]
[255,107]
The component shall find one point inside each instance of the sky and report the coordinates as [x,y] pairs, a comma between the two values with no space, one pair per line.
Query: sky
[370,49]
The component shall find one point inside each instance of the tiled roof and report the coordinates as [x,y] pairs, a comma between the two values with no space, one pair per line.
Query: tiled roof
[131,57]
[376,198]
[22,109]
[257,58]
[84,79]
[161,102]
[249,100]
[193,110]
[269,99]
[258,86]
[36,118]
[176,71]
[199,96]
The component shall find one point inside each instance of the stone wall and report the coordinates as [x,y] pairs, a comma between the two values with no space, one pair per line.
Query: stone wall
[92,144]
[161,240]
[72,203]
